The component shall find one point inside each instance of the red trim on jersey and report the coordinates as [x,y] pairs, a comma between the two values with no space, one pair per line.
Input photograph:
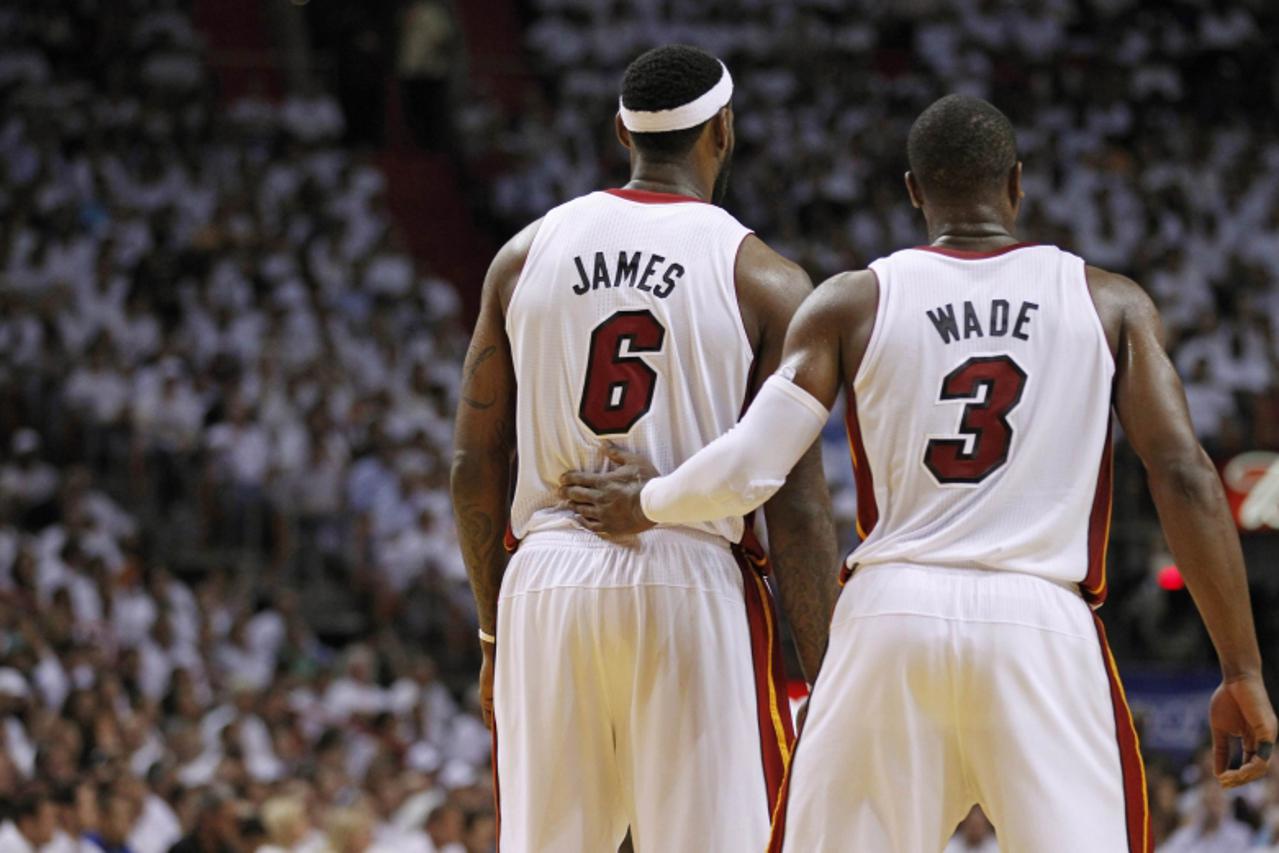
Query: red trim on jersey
[867,509]
[1094,583]
[970,255]
[650,197]
[776,729]
[1136,805]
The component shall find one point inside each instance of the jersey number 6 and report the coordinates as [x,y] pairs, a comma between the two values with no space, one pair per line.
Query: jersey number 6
[618,390]
[985,421]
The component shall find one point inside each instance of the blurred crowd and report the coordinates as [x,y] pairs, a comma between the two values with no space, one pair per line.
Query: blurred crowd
[233,615]
[225,409]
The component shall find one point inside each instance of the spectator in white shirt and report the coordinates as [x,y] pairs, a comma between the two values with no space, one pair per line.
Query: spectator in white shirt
[27,481]
[355,692]
[31,825]
[98,391]
[1213,829]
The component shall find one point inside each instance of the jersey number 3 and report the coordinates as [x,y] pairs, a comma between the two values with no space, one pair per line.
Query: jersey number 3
[985,419]
[619,386]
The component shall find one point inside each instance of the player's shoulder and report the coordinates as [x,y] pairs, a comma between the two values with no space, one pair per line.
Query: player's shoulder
[583,208]
[841,303]
[1122,305]
[755,258]
[1112,283]
[770,287]
[850,282]
[514,252]
[768,281]
[1114,293]
[507,265]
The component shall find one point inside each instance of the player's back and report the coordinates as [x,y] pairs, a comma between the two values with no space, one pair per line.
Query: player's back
[984,431]
[624,326]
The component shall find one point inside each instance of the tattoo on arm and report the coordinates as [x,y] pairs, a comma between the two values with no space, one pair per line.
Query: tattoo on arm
[484,445]
[475,360]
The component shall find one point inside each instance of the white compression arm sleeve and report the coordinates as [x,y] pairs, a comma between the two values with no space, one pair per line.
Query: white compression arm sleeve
[745,466]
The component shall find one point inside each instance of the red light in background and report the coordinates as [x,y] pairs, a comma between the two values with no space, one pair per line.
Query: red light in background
[1169,578]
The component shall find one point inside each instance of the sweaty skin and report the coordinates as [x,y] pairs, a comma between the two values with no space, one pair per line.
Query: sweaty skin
[824,349]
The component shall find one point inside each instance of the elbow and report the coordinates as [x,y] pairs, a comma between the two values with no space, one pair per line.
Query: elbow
[1188,477]
[471,467]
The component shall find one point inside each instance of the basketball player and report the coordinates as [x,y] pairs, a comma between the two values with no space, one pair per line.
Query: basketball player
[965,663]
[635,682]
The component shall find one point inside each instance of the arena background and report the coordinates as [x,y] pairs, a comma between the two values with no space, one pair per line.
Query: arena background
[241,243]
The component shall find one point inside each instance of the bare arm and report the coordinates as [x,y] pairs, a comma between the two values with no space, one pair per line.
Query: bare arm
[824,344]
[801,529]
[484,446]
[1192,509]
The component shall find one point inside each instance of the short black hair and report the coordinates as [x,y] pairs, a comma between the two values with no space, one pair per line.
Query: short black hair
[960,147]
[665,78]
[27,802]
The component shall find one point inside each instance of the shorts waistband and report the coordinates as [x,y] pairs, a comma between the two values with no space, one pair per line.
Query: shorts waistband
[578,559]
[965,594]
[972,574]
[576,537]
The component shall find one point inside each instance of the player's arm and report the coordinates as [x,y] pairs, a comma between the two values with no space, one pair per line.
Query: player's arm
[737,472]
[801,530]
[745,466]
[484,447]
[1197,524]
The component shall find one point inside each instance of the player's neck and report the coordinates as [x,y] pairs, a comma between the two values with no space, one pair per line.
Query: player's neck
[670,178]
[977,228]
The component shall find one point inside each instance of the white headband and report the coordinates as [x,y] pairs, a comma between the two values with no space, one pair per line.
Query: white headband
[689,115]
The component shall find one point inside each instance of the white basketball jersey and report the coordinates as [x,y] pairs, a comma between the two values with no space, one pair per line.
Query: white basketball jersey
[624,326]
[980,423]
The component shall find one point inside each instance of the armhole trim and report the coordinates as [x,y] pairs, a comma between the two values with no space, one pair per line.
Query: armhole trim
[1096,315]
[875,344]
[534,250]
[737,302]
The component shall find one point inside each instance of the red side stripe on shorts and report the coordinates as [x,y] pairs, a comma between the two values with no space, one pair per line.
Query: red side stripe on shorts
[1136,806]
[776,731]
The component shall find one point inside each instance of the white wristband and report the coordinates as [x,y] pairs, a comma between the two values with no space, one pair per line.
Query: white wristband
[486,637]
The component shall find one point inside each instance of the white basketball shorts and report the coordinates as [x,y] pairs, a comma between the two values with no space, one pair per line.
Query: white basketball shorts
[943,688]
[627,694]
